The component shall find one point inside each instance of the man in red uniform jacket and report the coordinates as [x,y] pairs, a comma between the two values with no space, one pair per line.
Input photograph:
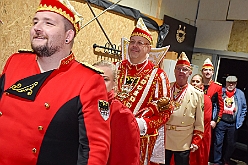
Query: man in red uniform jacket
[54,110]
[214,91]
[140,84]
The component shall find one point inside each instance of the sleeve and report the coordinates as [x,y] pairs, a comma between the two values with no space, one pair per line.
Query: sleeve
[97,125]
[123,119]
[243,106]
[199,121]
[2,76]
[151,115]
[220,104]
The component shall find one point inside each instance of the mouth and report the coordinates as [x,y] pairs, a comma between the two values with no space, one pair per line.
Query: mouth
[39,38]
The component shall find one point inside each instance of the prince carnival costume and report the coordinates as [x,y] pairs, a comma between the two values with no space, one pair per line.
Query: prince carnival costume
[144,89]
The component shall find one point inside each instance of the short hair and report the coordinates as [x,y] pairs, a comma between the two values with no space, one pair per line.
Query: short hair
[69,26]
[109,65]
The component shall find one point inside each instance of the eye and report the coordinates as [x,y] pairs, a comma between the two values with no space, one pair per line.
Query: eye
[49,23]
[140,43]
[132,42]
[35,22]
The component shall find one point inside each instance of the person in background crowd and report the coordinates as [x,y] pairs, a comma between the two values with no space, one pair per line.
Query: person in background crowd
[213,90]
[54,110]
[184,130]
[232,119]
[125,140]
[144,89]
[201,156]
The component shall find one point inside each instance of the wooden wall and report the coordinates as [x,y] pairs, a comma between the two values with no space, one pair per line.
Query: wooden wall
[17,20]
[239,37]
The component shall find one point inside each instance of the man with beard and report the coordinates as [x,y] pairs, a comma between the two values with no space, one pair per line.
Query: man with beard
[214,92]
[140,86]
[54,110]
[184,130]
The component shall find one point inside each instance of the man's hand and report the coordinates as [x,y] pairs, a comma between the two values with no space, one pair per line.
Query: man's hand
[193,147]
[213,124]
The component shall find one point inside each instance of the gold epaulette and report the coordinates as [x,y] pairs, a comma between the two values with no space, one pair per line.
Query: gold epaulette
[25,51]
[92,68]
[198,89]
[218,83]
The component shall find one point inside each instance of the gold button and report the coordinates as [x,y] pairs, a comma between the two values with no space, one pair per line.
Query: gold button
[40,128]
[6,93]
[182,122]
[1,114]
[47,105]
[34,150]
[184,114]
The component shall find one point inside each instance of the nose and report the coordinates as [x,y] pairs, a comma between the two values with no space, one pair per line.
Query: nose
[37,27]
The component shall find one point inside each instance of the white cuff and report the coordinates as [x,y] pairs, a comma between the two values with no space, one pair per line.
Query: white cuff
[142,126]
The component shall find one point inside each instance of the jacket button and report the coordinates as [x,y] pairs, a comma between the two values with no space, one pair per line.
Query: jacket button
[40,128]
[1,113]
[34,150]
[182,122]
[47,105]
[6,93]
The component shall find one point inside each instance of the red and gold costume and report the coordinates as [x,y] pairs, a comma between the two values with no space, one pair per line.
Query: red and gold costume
[201,156]
[214,92]
[139,87]
[59,117]
[124,130]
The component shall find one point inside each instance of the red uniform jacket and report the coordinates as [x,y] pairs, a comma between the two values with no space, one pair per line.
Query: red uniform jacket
[214,91]
[59,117]
[125,135]
[200,156]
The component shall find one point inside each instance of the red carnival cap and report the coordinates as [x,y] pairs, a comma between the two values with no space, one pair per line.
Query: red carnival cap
[141,30]
[207,64]
[64,8]
[183,60]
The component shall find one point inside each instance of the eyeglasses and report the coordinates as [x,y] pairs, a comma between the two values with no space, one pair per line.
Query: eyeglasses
[183,69]
[138,43]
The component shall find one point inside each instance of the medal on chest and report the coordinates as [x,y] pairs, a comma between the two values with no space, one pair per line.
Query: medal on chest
[128,86]
[177,94]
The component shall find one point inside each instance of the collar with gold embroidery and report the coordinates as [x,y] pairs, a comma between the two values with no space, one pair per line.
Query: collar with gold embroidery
[67,60]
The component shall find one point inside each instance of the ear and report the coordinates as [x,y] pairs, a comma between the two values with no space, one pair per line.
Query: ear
[190,72]
[149,48]
[70,35]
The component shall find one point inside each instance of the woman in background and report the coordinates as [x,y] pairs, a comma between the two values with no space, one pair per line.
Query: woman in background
[200,156]
[125,134]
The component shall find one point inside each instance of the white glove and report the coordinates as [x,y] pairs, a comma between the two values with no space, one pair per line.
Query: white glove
[193,147]
[142,126]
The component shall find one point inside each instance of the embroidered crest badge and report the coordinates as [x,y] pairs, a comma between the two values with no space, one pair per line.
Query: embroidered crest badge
[103,107]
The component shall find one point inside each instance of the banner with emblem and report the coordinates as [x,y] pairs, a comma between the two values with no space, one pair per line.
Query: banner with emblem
[181,36]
